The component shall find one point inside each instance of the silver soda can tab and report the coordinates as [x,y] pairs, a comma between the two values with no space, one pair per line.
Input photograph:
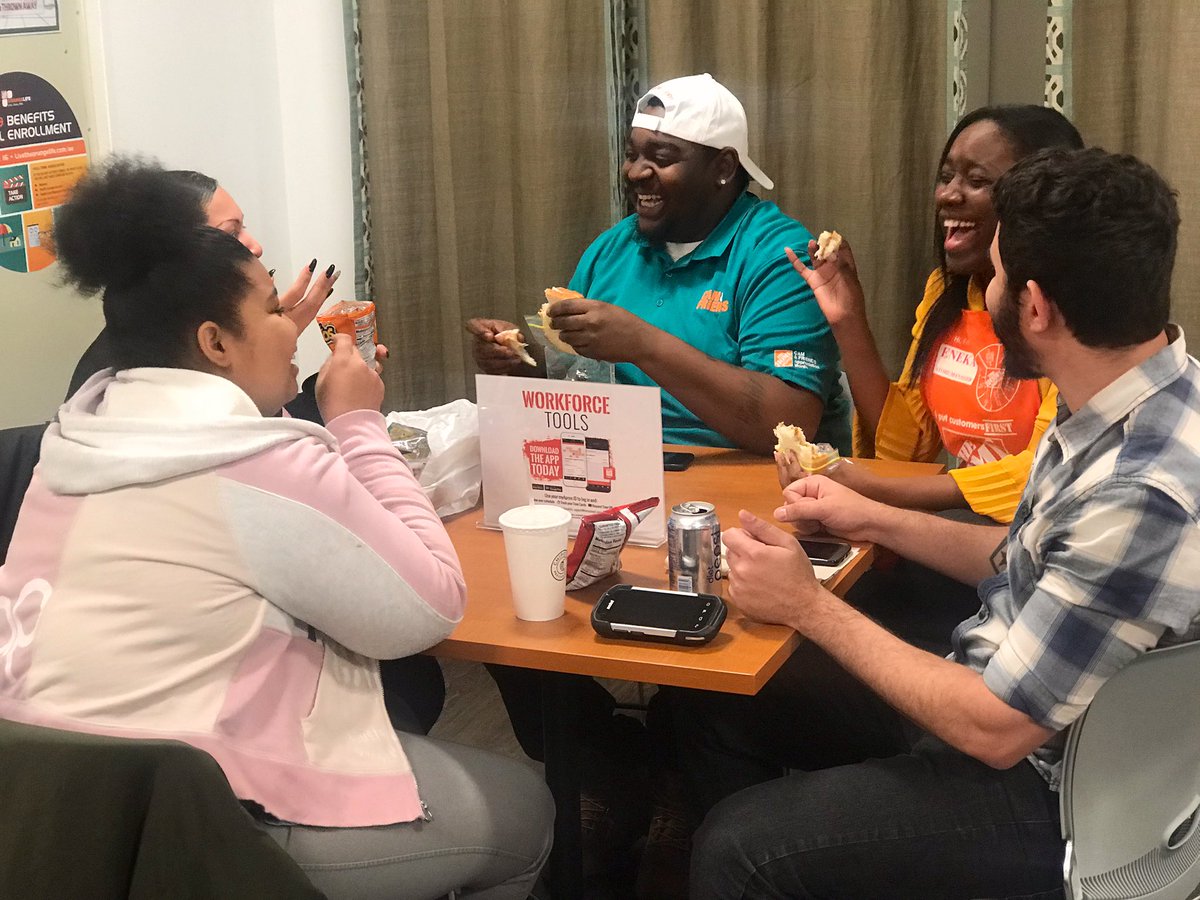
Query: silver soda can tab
[693,547]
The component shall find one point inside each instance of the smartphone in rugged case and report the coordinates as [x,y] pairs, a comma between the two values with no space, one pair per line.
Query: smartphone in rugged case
[648,614]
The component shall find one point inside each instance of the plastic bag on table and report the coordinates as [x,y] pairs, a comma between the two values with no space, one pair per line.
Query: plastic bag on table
[452,473]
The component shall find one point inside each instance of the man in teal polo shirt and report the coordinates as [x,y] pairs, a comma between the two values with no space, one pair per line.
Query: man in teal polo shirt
[693,293]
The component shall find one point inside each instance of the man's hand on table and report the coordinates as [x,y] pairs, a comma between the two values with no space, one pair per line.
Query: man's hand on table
[770,577]
[771,580]
[819,503]
[600,330]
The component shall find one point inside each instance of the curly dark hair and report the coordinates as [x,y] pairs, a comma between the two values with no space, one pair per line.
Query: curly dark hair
[1098,232]
[1027,128]
[137,233]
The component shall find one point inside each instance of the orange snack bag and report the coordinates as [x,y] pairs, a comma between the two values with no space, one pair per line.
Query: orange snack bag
[355,318]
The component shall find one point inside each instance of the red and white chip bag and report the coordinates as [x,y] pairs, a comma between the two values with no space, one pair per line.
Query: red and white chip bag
[602,536]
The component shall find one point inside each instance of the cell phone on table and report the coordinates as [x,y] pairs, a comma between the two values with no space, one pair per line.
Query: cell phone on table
[824,553]
[676,461]
[649,614]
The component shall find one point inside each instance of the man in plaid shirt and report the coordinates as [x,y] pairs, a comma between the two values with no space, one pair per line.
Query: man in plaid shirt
[945,779]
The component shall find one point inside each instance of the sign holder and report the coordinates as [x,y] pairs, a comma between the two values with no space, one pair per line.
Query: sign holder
[582,446]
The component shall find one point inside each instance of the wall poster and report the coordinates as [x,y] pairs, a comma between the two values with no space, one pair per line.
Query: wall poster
[42,155]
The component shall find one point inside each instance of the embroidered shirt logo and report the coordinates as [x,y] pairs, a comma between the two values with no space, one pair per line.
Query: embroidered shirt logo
[794,359]
[713,302]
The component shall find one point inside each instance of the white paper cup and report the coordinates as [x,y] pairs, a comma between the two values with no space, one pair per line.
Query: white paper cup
[535,542]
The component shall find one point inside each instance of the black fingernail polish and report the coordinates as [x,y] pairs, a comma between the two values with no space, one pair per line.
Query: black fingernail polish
[329,271]
[271,274]
[312,266]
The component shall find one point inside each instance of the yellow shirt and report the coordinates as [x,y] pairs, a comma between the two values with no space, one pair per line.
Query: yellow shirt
[908,431]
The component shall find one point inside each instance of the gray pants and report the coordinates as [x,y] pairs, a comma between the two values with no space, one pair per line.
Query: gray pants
[489,837]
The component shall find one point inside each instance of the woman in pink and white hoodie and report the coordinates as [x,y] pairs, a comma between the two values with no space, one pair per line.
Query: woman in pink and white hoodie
[187,566]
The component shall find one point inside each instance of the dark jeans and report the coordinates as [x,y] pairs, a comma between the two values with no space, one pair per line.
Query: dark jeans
[879,808]
[929,823]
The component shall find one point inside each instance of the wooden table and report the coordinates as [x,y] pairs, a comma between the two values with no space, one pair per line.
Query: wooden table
[739,660]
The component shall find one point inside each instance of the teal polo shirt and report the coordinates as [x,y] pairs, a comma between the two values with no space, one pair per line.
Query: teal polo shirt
[736,297]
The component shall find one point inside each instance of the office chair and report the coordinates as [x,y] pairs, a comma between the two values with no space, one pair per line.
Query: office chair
[1130,797]
[108,818]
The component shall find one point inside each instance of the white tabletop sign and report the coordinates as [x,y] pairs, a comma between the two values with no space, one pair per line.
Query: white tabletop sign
[582,446]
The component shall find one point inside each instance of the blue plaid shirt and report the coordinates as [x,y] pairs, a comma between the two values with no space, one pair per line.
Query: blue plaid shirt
[1104,550]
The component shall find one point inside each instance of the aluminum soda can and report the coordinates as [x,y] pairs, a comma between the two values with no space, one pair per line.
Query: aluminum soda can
[693,547]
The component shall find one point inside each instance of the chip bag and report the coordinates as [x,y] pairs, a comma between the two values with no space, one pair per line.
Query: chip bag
[601,538]
[355,318]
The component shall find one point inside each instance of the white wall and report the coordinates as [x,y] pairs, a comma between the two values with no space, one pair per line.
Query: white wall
[254,94]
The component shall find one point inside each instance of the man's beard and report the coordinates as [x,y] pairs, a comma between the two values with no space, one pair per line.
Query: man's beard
[1020,360]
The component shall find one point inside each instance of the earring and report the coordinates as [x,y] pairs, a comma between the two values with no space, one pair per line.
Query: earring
[722,182]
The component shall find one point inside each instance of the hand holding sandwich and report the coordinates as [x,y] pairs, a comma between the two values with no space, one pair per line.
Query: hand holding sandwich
[600,330]
[834,282]
[492,355]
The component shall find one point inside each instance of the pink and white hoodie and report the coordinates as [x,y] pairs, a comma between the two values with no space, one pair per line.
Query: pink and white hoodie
[184,568]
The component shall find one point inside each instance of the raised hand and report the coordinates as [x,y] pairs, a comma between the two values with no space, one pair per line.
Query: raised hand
[303,299]
[834,282]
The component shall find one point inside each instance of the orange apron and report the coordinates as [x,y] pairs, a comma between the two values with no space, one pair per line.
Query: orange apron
[982,414]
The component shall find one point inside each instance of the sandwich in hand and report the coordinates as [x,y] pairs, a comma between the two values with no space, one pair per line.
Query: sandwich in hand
[512,339]
[554,294]
[791,443]
[827,245]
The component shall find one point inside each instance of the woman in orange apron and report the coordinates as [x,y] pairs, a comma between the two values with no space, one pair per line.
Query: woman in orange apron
[953,394]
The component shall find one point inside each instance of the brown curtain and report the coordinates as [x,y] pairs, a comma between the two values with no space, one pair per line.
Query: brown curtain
[846,108]
[1135,67]
[487,147]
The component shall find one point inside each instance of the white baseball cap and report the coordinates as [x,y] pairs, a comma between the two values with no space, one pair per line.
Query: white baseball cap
[700,109]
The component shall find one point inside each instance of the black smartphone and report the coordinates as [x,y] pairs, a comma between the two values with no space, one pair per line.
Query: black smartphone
[647,614]
[676,460]
[824,553]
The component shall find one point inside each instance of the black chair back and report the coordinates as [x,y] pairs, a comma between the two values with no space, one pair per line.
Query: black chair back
[19,452]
